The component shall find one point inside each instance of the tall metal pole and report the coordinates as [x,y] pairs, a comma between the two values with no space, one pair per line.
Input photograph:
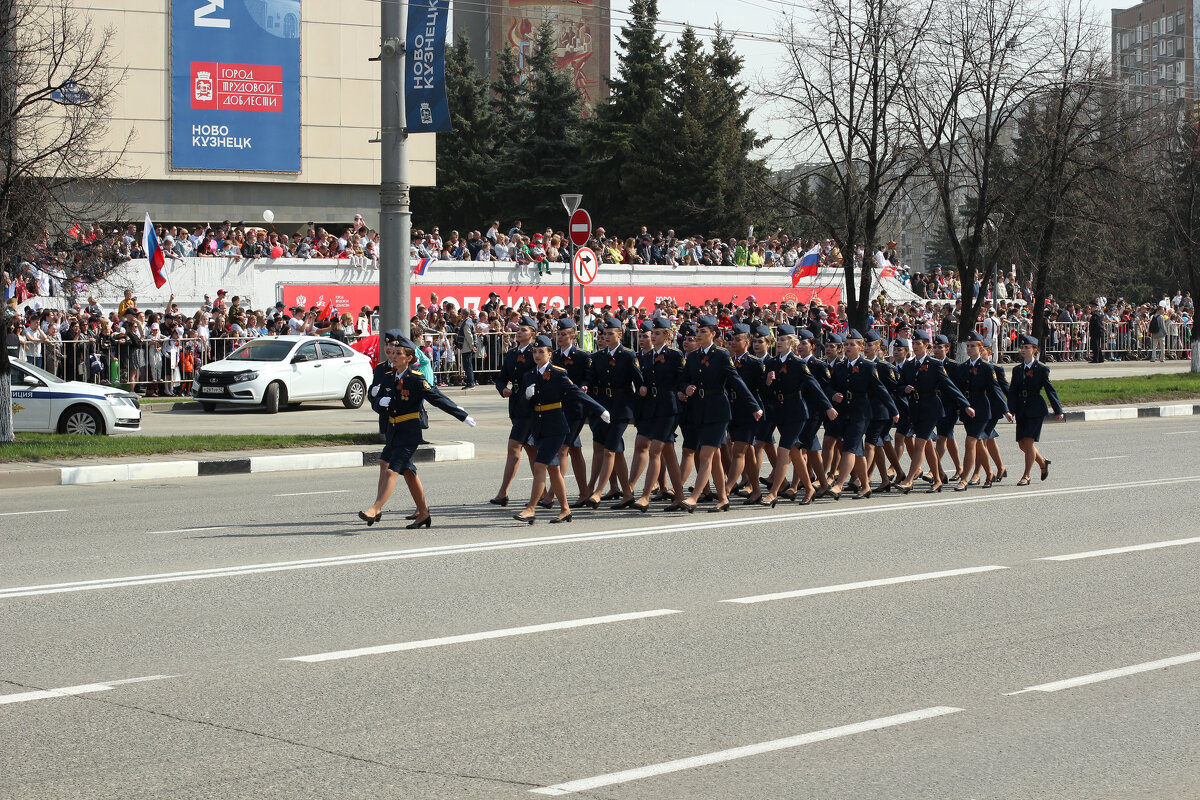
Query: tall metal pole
[395,219]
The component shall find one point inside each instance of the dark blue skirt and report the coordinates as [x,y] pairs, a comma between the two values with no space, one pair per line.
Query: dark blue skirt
[610,435]
[710,434]
[520,429]
[854,430]
[1030,428]
[945,425]
[810,435]
[657,429]
[399,457]
[547,449]
[877,432]
[745,434]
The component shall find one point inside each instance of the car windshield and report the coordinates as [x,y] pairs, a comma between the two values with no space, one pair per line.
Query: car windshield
[48,377]
[262,350]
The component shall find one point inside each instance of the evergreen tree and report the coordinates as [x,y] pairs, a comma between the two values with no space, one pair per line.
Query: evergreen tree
[510,110]
[734,141]
[463,194]
[624,170]
[548,154]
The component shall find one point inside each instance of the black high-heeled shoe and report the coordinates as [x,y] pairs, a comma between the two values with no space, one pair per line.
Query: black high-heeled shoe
[723,507]
[961,486]
[499,501]
[885,487]
[988,483]
[771,504]
[369,519]
[556,520]
[788,494]
[421,523]
[904,488]
[545,503]
[675,507]
[588,502]
[1003,475]
[1046,470]
[688,507]
[411,516]
[613,495]
[808,498]
[624,504]
[522,518]
[752,501]
[862,495]
[936,489]
[1023,482]
[640,507]
[835,495]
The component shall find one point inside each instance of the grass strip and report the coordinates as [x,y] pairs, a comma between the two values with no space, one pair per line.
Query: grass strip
[47,446]
[1134,389]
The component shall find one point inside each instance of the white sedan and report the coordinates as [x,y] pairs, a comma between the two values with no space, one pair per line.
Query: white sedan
[45,402]
[285,370]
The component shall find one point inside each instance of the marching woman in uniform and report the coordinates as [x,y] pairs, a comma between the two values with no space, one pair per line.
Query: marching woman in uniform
[857,391]
[688,425]
[708,375]
[613,378]
[904,444]
[1029,379]
[382,380]
[945,427]
[878,442]
[764,438]
[661,370]
[548,391]
[926,383]
[517,361]
[977,380]
[795,399]
[641,442]
[806,350]
[577,363]
[743,427]
[403,404]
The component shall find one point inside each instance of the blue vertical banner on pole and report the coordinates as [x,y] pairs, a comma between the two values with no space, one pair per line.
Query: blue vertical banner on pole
[425,106]
[235,85]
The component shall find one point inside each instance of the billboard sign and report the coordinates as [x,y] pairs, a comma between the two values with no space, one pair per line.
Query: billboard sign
[425,106]
[235,85]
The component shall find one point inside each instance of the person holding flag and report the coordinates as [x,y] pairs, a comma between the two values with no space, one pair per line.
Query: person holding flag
[154,252]
[808,264]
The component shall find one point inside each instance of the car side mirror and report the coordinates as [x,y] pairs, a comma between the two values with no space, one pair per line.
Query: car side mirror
[299,358]
[31,380]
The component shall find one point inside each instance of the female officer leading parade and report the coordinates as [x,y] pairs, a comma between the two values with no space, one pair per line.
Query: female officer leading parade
[547,389]
[1029,379]
[925,383]
[403,404]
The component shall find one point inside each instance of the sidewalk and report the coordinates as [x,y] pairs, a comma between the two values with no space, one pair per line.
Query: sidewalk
[71,471]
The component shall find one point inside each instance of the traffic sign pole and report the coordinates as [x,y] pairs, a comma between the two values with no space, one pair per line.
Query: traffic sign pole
[571,203]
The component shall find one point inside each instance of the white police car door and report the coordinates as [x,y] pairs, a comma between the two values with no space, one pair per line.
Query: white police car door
[30,400]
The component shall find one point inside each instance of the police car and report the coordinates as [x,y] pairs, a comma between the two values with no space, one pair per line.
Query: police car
[46,403]
[285,370]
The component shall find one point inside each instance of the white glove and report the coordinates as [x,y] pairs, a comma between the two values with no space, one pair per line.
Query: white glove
[375,390]
[470,421]
[606,417]
[529,390]
[385,402]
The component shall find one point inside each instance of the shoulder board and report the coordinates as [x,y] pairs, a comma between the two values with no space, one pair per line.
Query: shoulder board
[557,368]
[425,384]
[804,367]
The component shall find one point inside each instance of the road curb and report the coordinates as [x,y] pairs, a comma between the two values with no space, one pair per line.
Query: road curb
[201,468]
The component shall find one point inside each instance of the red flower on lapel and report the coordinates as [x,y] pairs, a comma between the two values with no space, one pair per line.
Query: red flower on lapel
[660,359]
[546,375]
[704,361]
[854,369]
[974,371]
[612,361]
[1028,373]
[924,368]
[520,358]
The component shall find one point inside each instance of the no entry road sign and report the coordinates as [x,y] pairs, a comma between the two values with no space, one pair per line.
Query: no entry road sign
[581,227]
[585,265]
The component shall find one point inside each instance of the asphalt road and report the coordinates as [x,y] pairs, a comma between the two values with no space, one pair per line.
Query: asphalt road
[486,659]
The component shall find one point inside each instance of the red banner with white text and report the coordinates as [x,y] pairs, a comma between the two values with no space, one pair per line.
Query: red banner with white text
[353,298]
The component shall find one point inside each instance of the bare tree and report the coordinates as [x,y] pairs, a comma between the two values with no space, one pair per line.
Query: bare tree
[983,63]
[849,72]
[1081,152]
[1177,198]
[57,88]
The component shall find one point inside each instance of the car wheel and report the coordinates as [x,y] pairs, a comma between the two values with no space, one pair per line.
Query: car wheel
[293,406]
[356,393]
[208,407]
[271,399]
[81,420]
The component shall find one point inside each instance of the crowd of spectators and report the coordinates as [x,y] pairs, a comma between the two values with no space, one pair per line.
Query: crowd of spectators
[158,350]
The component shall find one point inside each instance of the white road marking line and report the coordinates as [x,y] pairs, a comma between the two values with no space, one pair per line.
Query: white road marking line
[191,530]
[1178,433]
[846,587]
[1104,458]
[1062,441]
[478,637]
[301,494]
[721,756]
[69,691]
[1112,551]
[41,511]
[541,541]
[1108,675]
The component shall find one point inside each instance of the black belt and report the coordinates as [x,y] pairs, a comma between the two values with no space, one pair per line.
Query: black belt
[615,392]
[781,396]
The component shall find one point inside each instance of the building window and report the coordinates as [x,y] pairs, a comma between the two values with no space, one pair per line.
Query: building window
[1170,24]
[1154,28]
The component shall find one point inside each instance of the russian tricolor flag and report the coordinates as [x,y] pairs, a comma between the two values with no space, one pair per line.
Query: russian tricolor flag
[154,252]
[423,265]
[808,265]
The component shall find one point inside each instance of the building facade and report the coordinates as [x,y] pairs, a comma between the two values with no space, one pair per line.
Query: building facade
[1155,52]
[582,29]
[335,172]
